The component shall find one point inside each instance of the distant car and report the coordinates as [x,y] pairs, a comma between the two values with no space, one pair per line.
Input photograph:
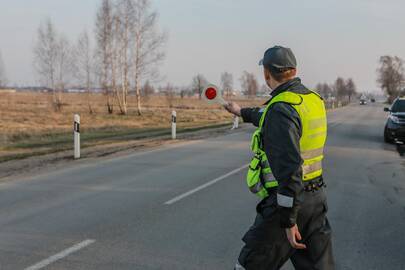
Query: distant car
[372,100]
[363,102]
[395,126]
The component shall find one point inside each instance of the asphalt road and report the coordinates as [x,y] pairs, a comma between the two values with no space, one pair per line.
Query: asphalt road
[186,206]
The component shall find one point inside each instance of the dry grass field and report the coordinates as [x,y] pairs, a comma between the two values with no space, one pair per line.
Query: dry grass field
[28,123]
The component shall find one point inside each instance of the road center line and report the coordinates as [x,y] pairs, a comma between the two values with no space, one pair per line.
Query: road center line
[61,255]
[210,183]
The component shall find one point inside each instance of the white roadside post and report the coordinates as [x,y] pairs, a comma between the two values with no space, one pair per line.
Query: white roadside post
[235,122]
[76,136]
[174,119]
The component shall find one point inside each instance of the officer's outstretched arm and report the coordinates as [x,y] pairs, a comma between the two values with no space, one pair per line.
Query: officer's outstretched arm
[252,115]
[249,115]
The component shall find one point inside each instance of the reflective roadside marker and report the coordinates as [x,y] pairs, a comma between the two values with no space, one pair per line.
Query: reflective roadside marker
[76,136]
[174,120]
[213,95]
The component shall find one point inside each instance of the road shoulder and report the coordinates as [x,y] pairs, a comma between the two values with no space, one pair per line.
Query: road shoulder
[34,165]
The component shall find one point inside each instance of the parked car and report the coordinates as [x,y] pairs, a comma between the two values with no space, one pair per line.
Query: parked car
[372,100]
[395,126]
[363,102]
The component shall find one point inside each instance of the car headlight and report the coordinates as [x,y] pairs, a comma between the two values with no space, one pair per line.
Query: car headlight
[394,119]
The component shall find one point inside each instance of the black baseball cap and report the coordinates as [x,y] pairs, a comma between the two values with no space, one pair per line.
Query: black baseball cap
[278,57]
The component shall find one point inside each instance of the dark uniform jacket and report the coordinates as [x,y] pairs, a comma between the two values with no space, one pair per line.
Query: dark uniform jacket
[281,140]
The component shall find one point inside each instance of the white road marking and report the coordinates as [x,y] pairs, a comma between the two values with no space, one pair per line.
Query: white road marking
[210,183]
[61,255]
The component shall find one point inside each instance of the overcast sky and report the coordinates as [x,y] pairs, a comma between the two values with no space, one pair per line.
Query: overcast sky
[329,37]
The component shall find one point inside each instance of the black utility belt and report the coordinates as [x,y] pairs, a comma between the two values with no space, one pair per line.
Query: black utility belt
[314,185]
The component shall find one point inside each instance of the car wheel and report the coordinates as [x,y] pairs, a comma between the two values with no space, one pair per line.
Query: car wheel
[387,137]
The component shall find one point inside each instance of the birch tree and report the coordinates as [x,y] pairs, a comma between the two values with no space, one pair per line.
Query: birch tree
[147,47]
[104,38]
[123,24]
[45,57]
[227,83]
[84,66]
[64,68]
[129,48]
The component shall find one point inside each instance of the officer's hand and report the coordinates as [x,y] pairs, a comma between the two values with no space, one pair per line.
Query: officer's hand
[233,108]
[293,236]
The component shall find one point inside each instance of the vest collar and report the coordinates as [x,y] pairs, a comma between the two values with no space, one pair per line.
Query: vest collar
[284,87]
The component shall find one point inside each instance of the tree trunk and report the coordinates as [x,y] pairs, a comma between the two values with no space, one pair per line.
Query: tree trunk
[125,93]
[88,102]
[54,99]
[138,97]
[115,90]
[89,95]
[110,106]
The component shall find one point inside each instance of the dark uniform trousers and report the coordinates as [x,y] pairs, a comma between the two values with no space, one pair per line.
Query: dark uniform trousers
[266,245]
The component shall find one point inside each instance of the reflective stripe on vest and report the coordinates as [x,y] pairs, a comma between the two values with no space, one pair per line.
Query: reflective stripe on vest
[307,169]
[309,154]
[269,181]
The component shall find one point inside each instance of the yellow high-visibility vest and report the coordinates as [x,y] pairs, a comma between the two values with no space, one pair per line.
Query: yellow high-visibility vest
[311,110]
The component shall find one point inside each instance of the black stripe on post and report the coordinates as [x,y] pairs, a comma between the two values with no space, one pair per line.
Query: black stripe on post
[77,127]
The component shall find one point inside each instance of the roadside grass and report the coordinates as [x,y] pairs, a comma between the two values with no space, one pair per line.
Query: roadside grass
[30,127]
[63,142]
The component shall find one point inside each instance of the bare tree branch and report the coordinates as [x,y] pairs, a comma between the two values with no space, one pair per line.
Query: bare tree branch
[83,65]
[340,88]
[227,83]
[350,88]
[198,84]
[249,83]
[46,58]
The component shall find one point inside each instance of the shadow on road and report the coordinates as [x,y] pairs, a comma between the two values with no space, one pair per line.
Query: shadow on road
[401,149]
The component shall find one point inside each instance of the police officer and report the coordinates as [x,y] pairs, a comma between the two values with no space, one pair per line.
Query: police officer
[286,172]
